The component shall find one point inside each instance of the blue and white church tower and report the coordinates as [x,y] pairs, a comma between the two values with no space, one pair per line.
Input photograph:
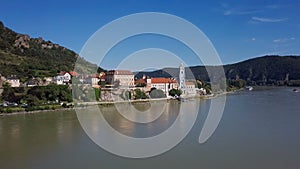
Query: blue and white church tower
[182,84]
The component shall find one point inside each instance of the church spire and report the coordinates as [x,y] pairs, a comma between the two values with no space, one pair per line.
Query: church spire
[182,85]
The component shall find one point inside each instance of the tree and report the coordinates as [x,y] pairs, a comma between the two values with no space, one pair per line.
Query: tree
[175,92]
[8,93]
[51,93]
[178,92]
[237,83]
[98,93]
[199,84]
[33,100]
[207,87]
[139,94]
[172,92]
[157,93]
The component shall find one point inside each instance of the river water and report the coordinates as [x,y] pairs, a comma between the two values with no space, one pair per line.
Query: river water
[259,129]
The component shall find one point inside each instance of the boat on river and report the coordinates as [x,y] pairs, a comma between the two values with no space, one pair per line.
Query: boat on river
[249,88]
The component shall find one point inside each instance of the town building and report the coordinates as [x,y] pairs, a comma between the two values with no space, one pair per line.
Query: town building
[62,78]
[190,88]
[122,78]
[13,81]
[164,84]
[33,82]
[92,79]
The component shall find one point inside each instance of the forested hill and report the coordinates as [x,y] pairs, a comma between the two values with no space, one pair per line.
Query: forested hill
[266,69]
[29,57]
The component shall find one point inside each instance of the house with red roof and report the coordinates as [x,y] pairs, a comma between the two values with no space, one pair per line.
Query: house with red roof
[62,78]
[164,84]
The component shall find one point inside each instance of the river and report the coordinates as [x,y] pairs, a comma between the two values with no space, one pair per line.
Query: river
[259,129]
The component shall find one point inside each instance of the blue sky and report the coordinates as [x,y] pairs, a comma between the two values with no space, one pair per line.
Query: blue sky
[238,29]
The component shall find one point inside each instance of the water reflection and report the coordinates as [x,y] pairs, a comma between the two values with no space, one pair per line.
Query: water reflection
[141,112]
[164,134]
[258,130]
[28,136]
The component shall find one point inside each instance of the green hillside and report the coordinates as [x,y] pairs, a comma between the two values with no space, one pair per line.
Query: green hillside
[266,68]
[34,57]
[261,70]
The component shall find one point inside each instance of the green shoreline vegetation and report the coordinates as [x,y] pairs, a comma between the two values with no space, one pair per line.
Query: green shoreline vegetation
[58,97]
[16,110]
[48,97]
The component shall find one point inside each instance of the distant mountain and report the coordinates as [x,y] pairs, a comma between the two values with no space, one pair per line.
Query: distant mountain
[27,57]
[266,69]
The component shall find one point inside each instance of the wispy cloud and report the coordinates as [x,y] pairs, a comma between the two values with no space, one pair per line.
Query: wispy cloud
[259,19]
[281,6]
[229,10]
[241,12]
[275,6]
[283,40]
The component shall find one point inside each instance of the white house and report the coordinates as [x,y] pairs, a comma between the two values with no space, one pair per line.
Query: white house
[62,78]
[190,88]
[93,79]
[164,84]
[13,81]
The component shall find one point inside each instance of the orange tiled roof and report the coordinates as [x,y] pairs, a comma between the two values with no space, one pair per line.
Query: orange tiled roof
[73,73]
[189,83]
[162,80]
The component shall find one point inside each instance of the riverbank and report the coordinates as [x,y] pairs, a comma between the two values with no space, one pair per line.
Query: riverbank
[103,103]
[35,111]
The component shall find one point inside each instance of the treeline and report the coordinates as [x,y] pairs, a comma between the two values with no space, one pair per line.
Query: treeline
[37,95]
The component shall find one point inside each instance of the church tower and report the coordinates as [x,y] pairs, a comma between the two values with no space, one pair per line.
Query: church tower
[182,85]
